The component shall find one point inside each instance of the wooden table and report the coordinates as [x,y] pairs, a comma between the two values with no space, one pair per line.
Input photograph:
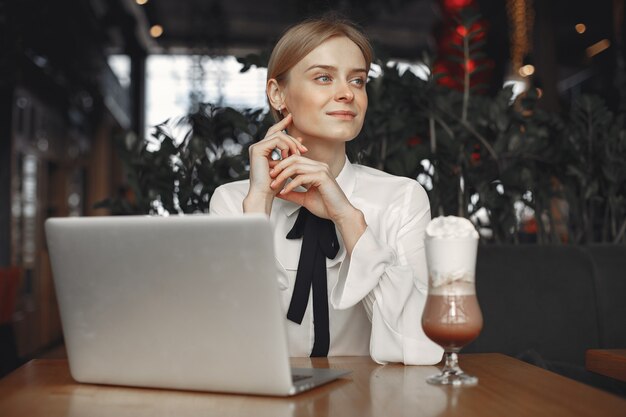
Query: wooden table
[507,387]
[609,362]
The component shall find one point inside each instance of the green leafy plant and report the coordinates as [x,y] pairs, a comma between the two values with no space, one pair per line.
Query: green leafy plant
[185,160]
[487,158]
[595,172]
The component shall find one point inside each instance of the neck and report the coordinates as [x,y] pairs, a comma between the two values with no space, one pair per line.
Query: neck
[331,153]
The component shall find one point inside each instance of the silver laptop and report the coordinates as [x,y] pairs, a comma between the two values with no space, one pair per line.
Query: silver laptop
[174,302]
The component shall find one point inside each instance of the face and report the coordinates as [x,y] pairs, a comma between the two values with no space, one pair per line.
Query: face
[325,92]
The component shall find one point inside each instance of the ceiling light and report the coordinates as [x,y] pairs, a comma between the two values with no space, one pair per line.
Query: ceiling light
[580,28]
[527,70]
[156,31]
[141,2]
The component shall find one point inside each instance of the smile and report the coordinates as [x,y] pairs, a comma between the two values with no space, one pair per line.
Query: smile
[342,114]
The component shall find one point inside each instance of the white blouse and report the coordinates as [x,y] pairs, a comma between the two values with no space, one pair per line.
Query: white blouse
[376,296]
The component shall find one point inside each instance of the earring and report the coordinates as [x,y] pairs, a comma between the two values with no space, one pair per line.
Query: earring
[280,111]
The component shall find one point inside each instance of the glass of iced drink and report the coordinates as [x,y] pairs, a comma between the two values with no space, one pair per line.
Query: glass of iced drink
[451,316]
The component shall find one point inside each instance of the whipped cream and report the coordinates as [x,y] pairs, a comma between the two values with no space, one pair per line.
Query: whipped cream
[451,227]
[451,246]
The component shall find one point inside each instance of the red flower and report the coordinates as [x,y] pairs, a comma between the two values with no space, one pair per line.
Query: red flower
[461,30]
[476,27]
[470,65]
[456,4]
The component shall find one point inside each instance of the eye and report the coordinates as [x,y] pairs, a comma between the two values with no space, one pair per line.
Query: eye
[358,81]
[325,78]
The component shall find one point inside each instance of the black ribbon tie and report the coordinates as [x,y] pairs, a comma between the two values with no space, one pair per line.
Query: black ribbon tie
[319,241]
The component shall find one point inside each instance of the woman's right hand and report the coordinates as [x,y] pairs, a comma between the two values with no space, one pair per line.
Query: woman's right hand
[260,195]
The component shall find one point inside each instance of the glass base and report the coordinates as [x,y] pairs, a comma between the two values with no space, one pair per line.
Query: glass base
[455,379]
[451,373]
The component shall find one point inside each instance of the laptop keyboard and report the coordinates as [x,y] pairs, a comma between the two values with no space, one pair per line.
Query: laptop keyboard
[296,378]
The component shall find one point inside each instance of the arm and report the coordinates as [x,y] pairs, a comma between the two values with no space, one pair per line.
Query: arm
[390,277]
[261,195]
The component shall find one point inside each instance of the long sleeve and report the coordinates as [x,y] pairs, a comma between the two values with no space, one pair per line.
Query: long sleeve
[378,293]
[387,273]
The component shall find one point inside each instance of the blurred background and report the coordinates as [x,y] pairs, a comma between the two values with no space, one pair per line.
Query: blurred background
[511,107]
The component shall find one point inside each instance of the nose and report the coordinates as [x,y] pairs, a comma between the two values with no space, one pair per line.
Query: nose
[344,93]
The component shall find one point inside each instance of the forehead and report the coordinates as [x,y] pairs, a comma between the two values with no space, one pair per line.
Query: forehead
[337,51]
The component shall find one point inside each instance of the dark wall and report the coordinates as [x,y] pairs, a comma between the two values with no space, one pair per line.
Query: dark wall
[6,102]
[5,180]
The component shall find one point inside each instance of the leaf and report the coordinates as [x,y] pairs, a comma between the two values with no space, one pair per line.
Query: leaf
[478,44]
[480,68]
[591,190]
[478,56]
[456,59]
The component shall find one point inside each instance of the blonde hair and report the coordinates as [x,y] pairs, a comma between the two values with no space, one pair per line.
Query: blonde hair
[304,37]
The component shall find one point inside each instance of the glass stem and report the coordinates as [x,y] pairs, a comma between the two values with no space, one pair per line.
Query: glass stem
[451,365]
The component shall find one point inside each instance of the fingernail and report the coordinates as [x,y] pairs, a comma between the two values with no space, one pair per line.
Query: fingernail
[273,183]
[283,191]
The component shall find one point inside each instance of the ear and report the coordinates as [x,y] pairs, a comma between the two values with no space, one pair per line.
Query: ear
[275,94]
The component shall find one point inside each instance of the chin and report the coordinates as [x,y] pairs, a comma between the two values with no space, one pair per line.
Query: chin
[345,134]
[338,137]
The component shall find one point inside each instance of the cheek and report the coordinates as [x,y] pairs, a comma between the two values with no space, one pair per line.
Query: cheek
[301,108]
[304,104]
[296,102]
[362,103]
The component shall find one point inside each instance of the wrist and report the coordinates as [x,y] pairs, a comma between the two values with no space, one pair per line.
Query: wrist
[258,203]
[350,218]
[351,226]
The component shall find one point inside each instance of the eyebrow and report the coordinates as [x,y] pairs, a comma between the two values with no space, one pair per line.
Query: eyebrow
[332,68]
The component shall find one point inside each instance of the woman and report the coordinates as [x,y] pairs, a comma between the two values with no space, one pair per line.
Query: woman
[347,233]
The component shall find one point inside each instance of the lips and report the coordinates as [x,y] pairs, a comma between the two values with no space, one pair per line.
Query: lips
[342,114]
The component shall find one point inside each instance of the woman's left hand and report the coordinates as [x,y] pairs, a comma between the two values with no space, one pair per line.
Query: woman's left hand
[323,196]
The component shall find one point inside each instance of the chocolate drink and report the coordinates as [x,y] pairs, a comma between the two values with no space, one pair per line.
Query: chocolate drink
[452,321]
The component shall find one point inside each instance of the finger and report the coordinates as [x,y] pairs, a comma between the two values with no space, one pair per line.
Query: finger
[280,141]
[297,160]
[295,148]
[297,141]
[306,181]
[302,147]
[293,196]
[291,161]
[282,125]
[292,171]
